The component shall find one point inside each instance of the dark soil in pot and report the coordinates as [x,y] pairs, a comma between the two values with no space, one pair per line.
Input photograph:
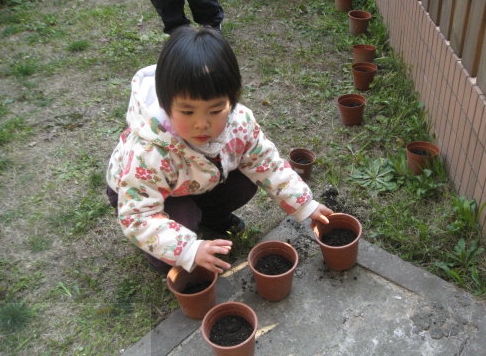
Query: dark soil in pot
[273,265]
[301,160]
[421,152]
[338,237]
[230,330]
[193,288]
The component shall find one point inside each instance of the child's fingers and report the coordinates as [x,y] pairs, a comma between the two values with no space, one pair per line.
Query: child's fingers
[323,219]
[221,242]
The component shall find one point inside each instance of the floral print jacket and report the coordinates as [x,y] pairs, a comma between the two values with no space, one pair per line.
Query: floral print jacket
[150,164]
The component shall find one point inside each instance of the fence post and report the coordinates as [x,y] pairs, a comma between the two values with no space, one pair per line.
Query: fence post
[474,37]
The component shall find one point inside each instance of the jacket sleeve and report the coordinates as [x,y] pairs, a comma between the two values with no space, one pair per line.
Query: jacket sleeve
[262,163]
[142,190]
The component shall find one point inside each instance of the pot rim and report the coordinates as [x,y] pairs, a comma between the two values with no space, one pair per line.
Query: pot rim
[186,295]
[358,235]
[305,151]
[221,306]
[366,47]
[269,242]
[429,146]
[359,15]
[356,97]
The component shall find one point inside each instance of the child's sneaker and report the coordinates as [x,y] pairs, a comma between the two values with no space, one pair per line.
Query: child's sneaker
[232,225]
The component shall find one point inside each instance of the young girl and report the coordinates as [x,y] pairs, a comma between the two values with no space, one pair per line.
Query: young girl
[192,155]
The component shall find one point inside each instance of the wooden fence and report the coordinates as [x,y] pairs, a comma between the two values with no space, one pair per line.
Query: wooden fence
[463,23]
[443,41]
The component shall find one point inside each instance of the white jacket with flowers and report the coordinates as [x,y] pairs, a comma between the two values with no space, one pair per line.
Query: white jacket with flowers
[150,164]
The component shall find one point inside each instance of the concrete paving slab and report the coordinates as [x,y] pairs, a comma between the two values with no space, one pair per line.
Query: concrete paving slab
[382,306]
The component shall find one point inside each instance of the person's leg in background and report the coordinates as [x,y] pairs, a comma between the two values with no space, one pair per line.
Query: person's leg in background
[207,12]
[172,13]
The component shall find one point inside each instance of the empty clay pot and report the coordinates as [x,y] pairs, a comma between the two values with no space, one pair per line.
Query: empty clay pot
[301,161]
[363,53]
[247,347]
[344,257]
[363,74]
[273,287]
[358,21]
[193,305]
[351,108]
[343,5]
[420,154]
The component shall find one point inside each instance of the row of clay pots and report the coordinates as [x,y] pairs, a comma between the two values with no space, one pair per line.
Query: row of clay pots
[420,154]
[201,305]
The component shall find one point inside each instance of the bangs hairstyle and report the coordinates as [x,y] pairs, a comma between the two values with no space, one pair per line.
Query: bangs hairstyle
[198,64]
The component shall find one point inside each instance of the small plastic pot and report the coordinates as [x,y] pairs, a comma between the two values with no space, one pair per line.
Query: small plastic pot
[358,21]
[363,53]
[339,258]
[197,304]
[343,5]
[363,74]
[247,347]
[421,154]
[301,161]
[273,287]
[351,108]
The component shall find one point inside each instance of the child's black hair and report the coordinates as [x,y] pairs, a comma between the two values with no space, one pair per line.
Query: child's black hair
[198,64]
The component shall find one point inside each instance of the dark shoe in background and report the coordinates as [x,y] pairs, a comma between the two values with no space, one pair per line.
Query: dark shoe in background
[232,225]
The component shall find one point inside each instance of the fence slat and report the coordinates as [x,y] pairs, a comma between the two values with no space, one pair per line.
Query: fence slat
[446,16]
[474,37]
[434,11]
[426,4]
[459,25]
[482,68]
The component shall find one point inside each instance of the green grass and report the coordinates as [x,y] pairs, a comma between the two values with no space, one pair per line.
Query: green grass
[14,316]
[78,46]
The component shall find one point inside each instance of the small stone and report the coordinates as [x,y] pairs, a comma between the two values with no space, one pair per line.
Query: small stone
[436,333]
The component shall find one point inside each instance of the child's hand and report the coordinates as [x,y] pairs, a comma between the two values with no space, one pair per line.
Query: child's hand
[319,215]
[206,251]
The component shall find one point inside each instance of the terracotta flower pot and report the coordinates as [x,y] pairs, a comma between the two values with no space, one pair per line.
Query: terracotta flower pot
[420,154]
[273,287]
[358,21]
[194,305]
[363,53]
[363,74]
[301,161]
[351,108]
[343,5]
[339,257]
[247,347]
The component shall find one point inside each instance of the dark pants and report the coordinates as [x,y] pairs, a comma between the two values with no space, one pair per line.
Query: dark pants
[210,208]
[204,12]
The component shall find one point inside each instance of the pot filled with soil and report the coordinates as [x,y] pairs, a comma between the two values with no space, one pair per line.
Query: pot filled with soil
[343,5]
[363,53]
[339,240]
[230,328]
[195,291]
[420,155]
[301,161]
[351,108]
[363,74]
[273,264]
[358,21]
